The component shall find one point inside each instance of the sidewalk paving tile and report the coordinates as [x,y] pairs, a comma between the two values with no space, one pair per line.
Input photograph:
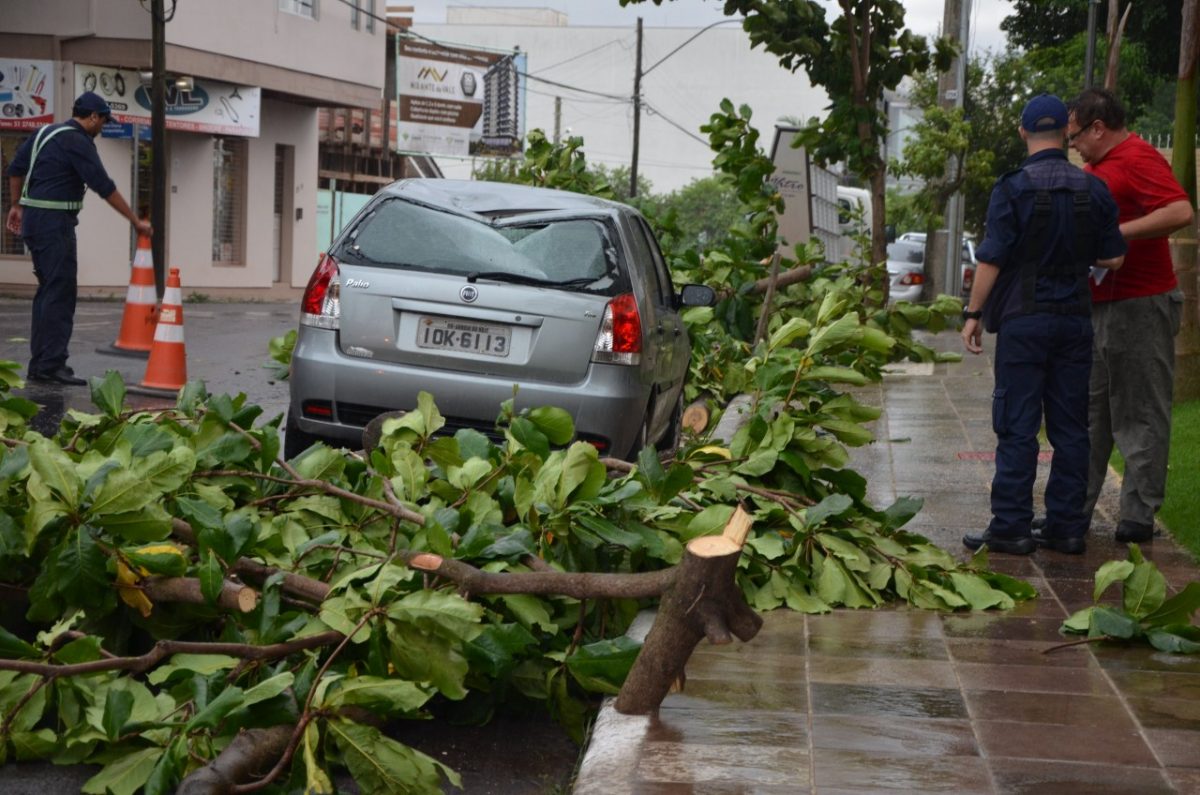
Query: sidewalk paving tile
[905,700]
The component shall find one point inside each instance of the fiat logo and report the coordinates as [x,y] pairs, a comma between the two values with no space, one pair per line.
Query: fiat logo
[468,293]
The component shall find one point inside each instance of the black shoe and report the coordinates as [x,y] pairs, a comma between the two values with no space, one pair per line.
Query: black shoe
[1013,545]
[1134,532]
[1068,545]
[63,375]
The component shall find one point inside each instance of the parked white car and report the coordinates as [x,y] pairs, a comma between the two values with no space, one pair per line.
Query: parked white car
[968,258]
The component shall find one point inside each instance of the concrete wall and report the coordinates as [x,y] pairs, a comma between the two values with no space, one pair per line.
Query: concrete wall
[120,19]
[256,30]
[687,89]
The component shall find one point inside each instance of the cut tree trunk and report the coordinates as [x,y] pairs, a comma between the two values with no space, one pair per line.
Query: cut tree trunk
[703,601]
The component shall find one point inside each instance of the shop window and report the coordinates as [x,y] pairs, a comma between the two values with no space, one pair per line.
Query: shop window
[10,244]
[301,8]
[229,201]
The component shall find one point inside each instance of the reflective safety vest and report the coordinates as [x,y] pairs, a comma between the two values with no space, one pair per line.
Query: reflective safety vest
[39,141]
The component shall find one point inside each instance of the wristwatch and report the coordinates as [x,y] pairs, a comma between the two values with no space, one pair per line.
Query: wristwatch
[969,315]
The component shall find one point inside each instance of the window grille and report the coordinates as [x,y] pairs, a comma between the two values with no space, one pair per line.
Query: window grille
[229,200]
[370,16]
[10,244]
[355,13]
[302,8]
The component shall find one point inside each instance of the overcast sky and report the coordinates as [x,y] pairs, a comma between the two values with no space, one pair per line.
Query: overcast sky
[923,16]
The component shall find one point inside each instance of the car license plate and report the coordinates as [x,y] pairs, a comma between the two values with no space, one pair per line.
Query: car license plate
[463,335]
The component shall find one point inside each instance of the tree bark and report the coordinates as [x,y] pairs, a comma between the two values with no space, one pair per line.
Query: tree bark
[703,601]
[234,596]
[1115,31]
[1183,248]
[252,753]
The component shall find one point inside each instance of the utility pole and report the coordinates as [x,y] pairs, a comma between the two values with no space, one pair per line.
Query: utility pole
[952,89]
[158,142]
[637,112]
[557,120]
[1089,60]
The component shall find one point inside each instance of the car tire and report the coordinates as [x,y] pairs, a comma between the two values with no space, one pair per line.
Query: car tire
[296,441]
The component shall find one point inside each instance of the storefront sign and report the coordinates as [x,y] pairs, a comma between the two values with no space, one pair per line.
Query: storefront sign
[457,101]
[210,107]
[791,180]
[26,93]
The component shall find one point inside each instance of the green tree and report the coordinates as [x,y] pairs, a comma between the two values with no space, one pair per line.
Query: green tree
[1183,163]
[705,210]
[854,58]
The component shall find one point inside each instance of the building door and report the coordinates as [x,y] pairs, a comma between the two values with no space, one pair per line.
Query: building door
[284,212]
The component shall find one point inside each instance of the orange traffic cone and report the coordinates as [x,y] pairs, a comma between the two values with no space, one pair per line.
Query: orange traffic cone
[136,337]
[167,368]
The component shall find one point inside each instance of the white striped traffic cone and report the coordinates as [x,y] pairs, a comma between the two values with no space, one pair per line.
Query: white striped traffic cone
[167,368]
[136,337]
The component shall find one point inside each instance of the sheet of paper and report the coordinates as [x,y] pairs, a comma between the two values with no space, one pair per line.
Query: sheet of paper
[1098,274]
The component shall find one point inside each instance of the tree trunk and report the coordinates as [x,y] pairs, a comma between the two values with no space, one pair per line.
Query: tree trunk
[703,601]
[1183,163]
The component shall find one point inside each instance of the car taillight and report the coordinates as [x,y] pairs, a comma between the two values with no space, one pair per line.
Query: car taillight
[912,278]
[620,337]
[321,305]
[968,278]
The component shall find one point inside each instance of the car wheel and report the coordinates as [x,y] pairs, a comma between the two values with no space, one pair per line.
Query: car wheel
[296,441]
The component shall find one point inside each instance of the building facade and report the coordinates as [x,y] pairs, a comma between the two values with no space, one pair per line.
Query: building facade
[242,138]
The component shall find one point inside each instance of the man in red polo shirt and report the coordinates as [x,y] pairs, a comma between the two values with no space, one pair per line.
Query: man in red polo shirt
[1136,313]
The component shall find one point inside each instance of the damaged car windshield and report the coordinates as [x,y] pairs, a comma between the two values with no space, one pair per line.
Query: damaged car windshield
[570,254]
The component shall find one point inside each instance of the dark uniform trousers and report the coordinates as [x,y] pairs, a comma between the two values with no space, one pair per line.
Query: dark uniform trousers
[1042,363]
[56,267]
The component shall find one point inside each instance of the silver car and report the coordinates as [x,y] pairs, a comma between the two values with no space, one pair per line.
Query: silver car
[467,289]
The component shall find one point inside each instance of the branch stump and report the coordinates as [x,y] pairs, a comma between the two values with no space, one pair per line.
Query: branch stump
[702,601]
[252,753]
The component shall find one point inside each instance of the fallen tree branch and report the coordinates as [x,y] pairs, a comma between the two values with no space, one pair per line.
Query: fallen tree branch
[165,648]
[234,596]
[579,585]
[251,754]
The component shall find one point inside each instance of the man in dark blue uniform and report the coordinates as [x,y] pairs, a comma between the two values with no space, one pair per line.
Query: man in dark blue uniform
[47,179]
[1050,228]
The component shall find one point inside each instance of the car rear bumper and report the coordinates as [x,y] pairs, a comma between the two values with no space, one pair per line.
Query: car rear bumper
[357,390]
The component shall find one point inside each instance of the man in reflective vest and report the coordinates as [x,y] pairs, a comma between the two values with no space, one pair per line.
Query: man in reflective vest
[47,179]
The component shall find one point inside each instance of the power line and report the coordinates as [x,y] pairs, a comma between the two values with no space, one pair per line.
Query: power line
[686,43]
[580,55]
[573,88]
[652,110]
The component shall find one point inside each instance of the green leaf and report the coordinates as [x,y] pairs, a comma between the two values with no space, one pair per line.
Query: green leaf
[710,521]
[610,532]
[268,689]
[901,511]
[381,695]
[831,507]
[108,393]
[498,647]
[212,577]
[203,664]
[837,375]
[602,666]
[555,423]
[118,705]
[978,593]
[157,560]
[80,568]
[151,523]
[530,611]
[126,774]
[1108,573]
[214,712]
[1176,610]
[57,471]
[12,647]
[1113,623]
[382,766]
[317,781]
[1175,638]
[1145,590]
[123,491]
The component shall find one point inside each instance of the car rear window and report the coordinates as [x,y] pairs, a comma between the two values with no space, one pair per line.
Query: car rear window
[403,235]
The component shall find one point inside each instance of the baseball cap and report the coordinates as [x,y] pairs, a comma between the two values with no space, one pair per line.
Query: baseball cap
[1043,113]
[89,102]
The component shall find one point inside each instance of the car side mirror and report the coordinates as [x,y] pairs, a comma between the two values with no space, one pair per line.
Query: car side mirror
[697,295]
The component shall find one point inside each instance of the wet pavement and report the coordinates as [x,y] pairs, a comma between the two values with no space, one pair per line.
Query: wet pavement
[905,700]
[226,347]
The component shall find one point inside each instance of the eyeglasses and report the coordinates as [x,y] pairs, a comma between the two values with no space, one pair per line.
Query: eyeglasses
[1072,136]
